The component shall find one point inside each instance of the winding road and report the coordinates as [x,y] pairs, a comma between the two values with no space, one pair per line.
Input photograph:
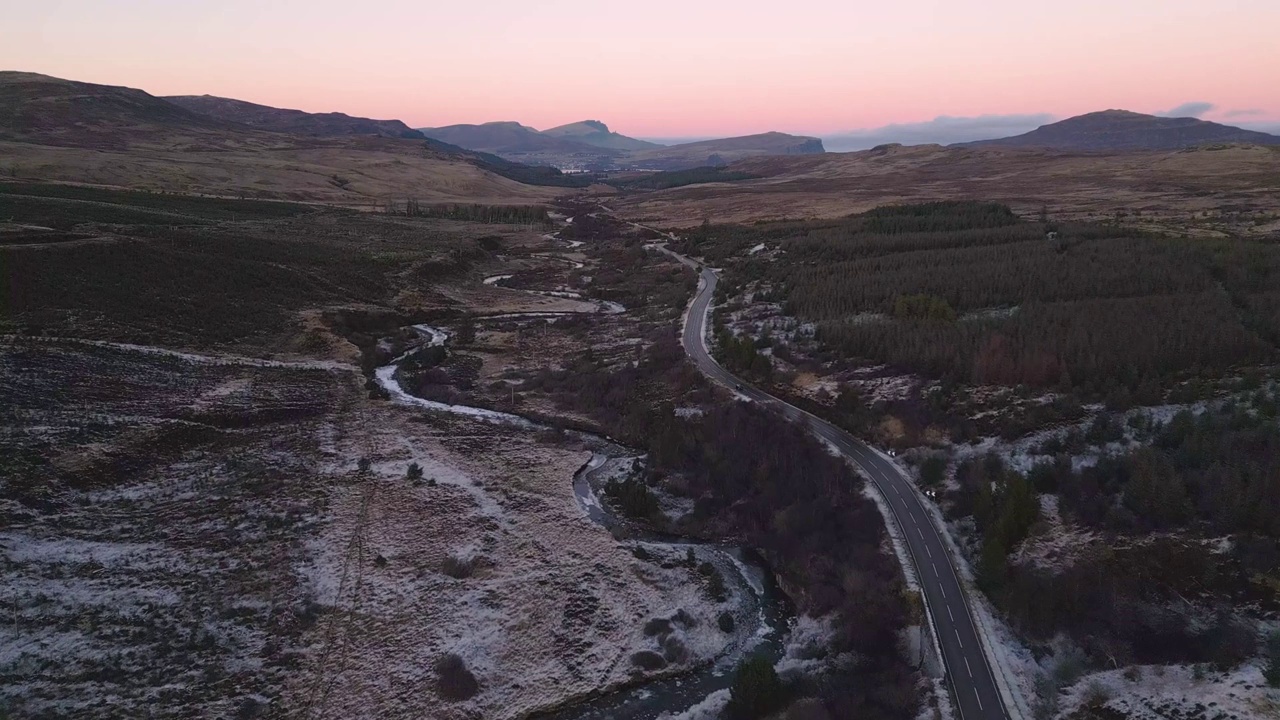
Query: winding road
[973,685]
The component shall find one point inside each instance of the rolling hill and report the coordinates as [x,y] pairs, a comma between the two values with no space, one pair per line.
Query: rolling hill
[1121,130]
[597,134]
[264,117]
[590,145]
[65,113]
[724,151]
[66,131]
[1172,190]
[503,138]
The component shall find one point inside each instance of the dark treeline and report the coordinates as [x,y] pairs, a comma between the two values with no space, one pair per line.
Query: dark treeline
[527,174]
[984,276]
[968,292]
[508,214]
[940,216]
[1092,345]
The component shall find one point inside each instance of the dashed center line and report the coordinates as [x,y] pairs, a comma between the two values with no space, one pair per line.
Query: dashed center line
[966,667]
[975,694]
[953,617]
[958,638]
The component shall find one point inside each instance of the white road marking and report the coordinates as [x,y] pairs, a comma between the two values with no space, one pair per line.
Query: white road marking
[935,570]
[953,617]
[975,694]
[966,667]
[944,593]
[926,549]
[958,638]
[920,531]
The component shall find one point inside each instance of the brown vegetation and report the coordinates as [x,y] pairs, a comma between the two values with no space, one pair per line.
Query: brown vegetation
[1204,191]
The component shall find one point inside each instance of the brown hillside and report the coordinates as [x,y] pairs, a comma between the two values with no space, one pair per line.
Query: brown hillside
[1168,190]
[61,130]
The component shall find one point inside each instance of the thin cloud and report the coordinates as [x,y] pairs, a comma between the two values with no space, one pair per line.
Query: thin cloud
[1250,112]
[1194,109]
[942,130]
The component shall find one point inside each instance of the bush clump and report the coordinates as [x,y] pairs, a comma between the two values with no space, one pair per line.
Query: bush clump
[756,690]
[453,680]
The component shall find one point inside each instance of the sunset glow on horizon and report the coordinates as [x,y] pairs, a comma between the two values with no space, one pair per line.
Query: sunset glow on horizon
[666,68]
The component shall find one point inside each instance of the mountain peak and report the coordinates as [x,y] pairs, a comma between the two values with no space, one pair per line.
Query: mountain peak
[1116,130]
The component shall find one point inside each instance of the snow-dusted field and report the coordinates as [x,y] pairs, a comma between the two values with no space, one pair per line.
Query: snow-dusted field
[150,510]
[196,537]
[553,607]
[1156,692]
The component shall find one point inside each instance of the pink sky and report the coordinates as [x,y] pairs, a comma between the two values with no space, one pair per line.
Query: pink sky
[668,67]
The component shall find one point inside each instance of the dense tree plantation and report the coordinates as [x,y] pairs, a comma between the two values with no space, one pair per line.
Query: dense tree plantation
[508,214]
[1206,476]
[967,291]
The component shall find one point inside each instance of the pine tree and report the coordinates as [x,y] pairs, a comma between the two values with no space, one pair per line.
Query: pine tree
[756,690]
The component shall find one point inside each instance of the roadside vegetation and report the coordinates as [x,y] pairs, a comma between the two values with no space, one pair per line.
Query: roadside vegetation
[968,293]
[1092,407]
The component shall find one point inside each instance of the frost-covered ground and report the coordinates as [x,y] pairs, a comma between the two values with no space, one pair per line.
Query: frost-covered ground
[152,506]
[194,536]
[549,607]
[1157,692]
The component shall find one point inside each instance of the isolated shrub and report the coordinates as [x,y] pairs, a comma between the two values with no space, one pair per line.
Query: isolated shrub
[725,621]
[674,650]
[364,464]
[1096,694]
[633,499]
[457,567]
[657,626]
[756,690]
[414,472]
[453,680]
[648,660]
[933,470]
[716,589]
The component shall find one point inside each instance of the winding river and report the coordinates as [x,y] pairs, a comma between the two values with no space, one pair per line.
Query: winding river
[762,613]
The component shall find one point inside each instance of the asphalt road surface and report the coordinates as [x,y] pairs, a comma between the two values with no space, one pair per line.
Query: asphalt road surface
[972,682]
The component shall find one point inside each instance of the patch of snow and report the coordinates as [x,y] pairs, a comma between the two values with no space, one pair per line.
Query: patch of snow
[709,709]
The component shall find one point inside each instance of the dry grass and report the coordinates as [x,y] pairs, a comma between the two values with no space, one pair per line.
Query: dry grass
[1231,189]
[374,172]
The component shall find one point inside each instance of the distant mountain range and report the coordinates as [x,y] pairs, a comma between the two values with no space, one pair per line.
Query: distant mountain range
[264,117]
[597,134]
[590,145]
[1121,130]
